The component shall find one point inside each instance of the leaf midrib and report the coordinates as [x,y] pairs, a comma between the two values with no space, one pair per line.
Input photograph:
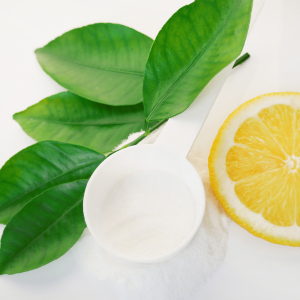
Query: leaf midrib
[194,62]
[66,212]
[63,58]
[80,124]
[52,179]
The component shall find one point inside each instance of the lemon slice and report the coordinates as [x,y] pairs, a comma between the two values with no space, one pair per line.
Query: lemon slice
[254,167]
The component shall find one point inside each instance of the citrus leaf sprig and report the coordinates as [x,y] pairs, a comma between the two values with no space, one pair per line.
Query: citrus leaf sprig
[111,94]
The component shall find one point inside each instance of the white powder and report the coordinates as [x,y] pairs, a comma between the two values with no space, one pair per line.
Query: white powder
[147,214]
[178,278]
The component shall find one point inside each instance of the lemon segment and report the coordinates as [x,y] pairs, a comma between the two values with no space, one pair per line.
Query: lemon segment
[270,194]
[242,162]
[279,119]
[297,133]
[254,134]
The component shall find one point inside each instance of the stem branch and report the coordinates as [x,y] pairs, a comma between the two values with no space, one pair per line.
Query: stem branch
[242,59]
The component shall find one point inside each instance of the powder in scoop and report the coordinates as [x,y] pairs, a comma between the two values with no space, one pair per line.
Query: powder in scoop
[147,214]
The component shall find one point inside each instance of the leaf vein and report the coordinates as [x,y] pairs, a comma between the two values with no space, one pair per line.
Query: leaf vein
[62,58]
[52,179]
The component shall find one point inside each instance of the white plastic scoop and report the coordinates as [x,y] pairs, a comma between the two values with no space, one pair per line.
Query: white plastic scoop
[167,154]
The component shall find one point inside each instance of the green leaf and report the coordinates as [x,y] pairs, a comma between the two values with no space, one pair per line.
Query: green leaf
[100,62]
[40,167]
[44,230]
[196,43]
[66,117]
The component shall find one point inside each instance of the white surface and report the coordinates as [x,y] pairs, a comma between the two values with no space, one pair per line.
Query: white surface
[253,268]
[136,159]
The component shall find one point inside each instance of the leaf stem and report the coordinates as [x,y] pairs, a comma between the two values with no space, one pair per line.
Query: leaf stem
[147,131]
[241,59]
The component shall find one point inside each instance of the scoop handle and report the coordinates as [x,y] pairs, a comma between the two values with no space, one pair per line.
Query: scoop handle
[181,131]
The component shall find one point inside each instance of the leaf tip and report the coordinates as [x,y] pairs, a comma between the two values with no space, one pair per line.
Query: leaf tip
[15,116]
[37,50]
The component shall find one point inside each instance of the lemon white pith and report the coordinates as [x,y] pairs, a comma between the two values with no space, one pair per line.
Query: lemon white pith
[254,167]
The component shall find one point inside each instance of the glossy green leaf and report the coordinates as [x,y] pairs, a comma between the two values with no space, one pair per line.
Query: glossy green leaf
[40,167]
[196,43]
[66,117]
[101,62]
[44,230]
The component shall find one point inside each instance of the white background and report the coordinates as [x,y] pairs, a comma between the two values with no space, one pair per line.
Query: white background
[253,268]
